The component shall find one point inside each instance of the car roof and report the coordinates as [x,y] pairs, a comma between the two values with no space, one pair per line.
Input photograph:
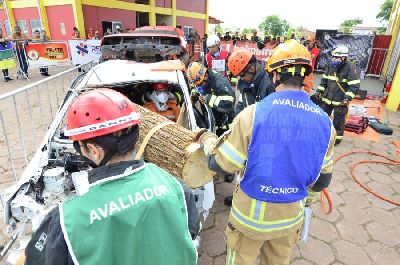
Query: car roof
[123,71]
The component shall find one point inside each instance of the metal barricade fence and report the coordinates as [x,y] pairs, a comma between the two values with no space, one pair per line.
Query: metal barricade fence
[25,115]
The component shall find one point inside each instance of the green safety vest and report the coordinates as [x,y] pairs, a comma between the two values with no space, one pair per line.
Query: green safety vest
[138,218]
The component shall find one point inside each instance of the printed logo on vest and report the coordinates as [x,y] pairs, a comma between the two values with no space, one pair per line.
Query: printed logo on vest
[130,200]
[273,190]
[41,242]
[296,104]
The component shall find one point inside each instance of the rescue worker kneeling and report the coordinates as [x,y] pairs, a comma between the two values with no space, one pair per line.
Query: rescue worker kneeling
[283,146]
[162,102]
[216,91]
[133,212]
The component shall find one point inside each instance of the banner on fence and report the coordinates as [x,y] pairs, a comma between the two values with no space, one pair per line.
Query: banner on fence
[47,54]
[6,56]
[84,51]
[360,47]
[247,45]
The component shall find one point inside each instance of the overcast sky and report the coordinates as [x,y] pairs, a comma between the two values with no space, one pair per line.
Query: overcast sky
[311,14]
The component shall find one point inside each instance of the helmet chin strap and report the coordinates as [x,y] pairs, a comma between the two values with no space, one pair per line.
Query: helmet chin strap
[276,84]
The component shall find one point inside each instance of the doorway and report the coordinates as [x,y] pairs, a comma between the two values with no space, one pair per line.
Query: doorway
[142,19]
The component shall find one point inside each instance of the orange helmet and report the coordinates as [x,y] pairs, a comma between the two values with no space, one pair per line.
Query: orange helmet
[196,73]
[238,61]
[290,53]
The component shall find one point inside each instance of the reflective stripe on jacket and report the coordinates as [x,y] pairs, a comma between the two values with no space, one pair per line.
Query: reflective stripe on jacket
[256,218]
[290,139]
[219,93]
[347,75]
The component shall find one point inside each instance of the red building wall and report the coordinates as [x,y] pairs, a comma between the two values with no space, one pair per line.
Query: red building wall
[192,5]
[26,14]
[3,17]
[57,15]
[94,15]
[198,24]
[164,3]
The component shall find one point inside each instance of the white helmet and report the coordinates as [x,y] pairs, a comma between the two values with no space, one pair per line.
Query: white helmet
[212,40]
[341,51]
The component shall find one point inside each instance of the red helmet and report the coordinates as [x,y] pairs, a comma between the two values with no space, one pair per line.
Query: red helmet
[160,86]
[99,112]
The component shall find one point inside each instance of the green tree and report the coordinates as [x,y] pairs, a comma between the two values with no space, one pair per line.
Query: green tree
[384,14]
[274,25]
[348,25]
[386,10]
[297,31]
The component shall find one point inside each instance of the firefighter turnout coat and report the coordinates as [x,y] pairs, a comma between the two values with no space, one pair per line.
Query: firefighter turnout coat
[218,92]
[282,146]
[339,83]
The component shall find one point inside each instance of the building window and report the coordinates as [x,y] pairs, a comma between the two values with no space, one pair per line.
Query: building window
[36,25]
[8,27]
[188,31]
[23,26]
[143,2]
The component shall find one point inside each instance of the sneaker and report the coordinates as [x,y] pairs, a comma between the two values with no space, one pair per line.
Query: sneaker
[228,200]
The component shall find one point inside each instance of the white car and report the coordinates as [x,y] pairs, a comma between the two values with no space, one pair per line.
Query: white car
[47,180]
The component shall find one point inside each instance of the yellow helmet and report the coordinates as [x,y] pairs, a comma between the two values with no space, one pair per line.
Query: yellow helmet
[196,73]
[290,53]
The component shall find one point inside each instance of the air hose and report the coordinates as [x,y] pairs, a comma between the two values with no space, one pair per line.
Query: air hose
[388,161]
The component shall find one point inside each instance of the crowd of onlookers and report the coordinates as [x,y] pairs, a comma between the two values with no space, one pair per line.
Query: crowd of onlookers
[269,42]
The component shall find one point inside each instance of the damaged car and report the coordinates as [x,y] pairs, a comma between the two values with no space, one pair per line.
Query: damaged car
[51,176]
[146,44]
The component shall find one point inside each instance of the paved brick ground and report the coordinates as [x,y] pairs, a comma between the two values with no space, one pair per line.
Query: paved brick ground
[362,229]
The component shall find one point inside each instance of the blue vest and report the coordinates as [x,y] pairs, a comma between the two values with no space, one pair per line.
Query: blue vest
[288,145]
